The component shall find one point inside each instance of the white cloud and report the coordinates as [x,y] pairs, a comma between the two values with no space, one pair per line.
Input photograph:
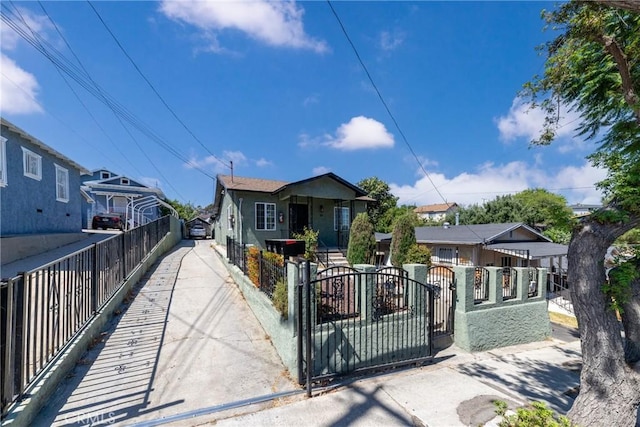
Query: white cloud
[217,164]
[320,170]
[490,180]
[274,23]
[360,133]
[390,41]
[262,162]
[523,121]
[19,89]
[310,100]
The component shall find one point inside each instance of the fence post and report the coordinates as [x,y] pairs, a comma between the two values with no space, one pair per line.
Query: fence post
[307,286]
[94,279]
[260,269]
[244,258]
[125,272]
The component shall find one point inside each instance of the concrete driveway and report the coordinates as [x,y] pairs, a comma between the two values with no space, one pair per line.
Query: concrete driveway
[187,340]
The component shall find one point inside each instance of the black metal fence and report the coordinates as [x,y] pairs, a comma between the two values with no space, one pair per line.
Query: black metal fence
[350,320]
[509,283]
[42,310]
[268,271]
[480,285]
[237,254]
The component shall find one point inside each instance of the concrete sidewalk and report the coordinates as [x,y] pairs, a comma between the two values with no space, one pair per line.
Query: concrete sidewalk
[188,351]
[186,340]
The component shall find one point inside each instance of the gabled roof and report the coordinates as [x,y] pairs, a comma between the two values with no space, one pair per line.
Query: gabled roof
[472,234]
[44,147]
[441,207]
[249,184]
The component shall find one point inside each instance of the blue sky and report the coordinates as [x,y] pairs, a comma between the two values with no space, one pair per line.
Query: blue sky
[276,88]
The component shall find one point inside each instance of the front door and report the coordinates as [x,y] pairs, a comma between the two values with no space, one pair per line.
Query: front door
[298,218]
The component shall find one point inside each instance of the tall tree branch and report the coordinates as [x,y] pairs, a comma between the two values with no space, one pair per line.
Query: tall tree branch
[622,64]
[632,5]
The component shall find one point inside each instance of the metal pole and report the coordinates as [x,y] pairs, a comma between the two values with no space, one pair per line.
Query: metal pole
[299,286]
[307,284]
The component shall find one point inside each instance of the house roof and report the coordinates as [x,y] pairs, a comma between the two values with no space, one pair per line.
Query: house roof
[471,234]
[250,184]
[468,234]
[44,147]
[441,207]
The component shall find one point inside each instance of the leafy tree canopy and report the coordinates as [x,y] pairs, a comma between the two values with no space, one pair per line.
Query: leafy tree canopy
[384,200]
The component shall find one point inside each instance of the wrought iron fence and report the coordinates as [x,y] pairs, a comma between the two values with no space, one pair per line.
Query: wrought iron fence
[509,283]
[42,310]
[237,254]
[480,285]
[265,273]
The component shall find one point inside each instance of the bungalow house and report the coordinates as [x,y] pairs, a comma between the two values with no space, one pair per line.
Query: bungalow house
[437,212]
[500,245]
[108,192]
[39,194]
[253,210]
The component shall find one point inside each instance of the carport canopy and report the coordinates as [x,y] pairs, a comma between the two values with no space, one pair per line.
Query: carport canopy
[530,250]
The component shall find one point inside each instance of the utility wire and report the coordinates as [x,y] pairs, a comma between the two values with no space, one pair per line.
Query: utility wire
[78,76]
[384,103]
[117,117]
[124,51]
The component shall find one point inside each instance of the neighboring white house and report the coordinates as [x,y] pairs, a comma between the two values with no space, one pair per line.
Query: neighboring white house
[436,212]
[582,210]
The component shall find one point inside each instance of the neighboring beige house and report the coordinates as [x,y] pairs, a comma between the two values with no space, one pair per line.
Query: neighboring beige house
[583,210]
[436,212]
[500,245]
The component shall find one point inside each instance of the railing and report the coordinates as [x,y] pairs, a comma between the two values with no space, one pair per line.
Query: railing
[509,283]
[480,285]
[42,310]
[265,273]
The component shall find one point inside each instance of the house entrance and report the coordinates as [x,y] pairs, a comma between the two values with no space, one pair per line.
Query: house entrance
[298,218]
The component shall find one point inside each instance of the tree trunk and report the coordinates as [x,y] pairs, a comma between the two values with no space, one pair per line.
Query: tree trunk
[631,323]
[609,389]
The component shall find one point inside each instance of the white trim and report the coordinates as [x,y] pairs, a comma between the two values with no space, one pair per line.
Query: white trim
[267,225]
[62,183]
[340,210]
[29,159]
[3,161]
[125,181]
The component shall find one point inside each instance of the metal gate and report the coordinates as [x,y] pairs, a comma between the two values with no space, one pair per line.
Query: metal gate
[350,320]
[444,280]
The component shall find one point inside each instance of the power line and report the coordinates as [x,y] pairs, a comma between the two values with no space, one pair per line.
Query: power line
[124,51]
[39,43]
[61,62]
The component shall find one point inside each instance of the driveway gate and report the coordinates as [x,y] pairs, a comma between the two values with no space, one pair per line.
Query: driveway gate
[350,320]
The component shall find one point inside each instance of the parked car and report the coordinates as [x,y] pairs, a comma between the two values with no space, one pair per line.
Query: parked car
[197,231]
[107,220]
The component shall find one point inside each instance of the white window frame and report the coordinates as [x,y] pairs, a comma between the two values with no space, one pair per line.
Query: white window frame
[62,184]
[124,181]
[105,175]
[3,161]
[230,217]
[269,216]
[28,157]
[341,215]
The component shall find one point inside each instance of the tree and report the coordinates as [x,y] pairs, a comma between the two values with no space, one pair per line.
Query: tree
[362,241]
[388,220]
[402,239]
[185,211]
[592,67]
[384,200]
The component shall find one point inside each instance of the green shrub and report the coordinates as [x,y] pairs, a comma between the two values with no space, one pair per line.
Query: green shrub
[362,241]
[281,298]
[310,238]
[253,265]
[418,255]
[537,415]
[402,239]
